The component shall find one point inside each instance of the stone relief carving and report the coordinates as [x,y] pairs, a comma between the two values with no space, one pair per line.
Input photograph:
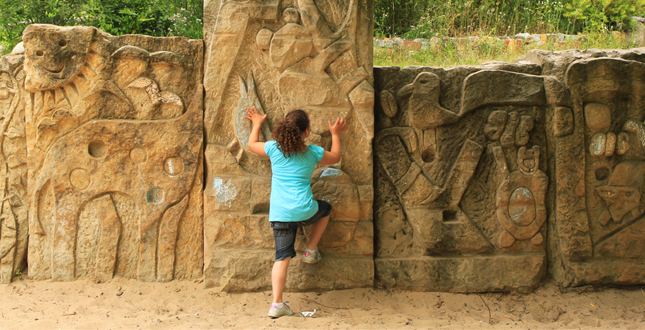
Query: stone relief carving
[456,177]
[598,159]
[287,55]
[13,169]
[101,162]
[115,135]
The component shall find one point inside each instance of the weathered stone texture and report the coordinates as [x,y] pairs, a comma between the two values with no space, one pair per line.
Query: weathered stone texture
[281,56]
[596,231]
[114,134]
[14,222]
[460,183]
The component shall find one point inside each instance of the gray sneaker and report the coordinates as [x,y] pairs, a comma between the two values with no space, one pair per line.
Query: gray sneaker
[312,258]
[275,311]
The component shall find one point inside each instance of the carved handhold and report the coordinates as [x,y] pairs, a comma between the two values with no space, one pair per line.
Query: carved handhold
[538,239]
[506,240]
[610,145]
[263,39]
[637,128]
[563,122]
[495,125]
[597,116]
[507,140]
[622,144]
[424,108]
[388,103]
[133,52]
[598,145]
[522,136]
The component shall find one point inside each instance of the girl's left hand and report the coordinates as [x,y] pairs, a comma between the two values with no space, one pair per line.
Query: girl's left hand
[254,116]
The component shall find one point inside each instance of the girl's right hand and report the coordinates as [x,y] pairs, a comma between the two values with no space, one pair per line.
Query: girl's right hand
[339,126]
[254,116]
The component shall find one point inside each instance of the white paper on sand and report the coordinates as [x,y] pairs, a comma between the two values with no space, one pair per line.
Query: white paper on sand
[308,314]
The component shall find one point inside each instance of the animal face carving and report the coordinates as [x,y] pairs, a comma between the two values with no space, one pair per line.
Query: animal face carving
[620,200]
[528,160]
[623,193]
[54,54]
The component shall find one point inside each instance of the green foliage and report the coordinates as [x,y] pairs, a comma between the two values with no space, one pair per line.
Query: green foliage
[428,18]
[151,17]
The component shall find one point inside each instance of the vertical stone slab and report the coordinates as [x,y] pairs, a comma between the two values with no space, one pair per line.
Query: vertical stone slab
[14,228]
[114,133]
[597,131]
[607,107]
[281,56]
[461,181]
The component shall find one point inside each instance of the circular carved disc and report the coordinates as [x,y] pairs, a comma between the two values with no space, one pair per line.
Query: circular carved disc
[155,195]
[80,178]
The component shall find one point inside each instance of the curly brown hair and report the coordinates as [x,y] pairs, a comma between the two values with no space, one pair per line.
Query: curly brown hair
[288,132]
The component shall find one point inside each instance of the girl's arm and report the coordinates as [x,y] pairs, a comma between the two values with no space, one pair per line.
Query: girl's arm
[333,156]
[255,145]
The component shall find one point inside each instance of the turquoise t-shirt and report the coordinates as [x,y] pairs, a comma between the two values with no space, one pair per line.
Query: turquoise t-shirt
[291,196]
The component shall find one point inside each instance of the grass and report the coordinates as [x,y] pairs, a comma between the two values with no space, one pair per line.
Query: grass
[477,53]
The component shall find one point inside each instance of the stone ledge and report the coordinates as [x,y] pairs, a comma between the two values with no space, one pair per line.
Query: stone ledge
[519,273]
[608,272]
[244,270]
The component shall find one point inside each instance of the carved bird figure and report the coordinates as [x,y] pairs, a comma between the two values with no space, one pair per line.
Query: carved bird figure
[424,108]
[156,96]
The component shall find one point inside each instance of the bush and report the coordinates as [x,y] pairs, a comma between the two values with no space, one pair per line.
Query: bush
[427,18]
[151,17]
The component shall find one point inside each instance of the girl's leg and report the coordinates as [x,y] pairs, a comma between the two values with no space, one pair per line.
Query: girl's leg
[317,229]
[279,278]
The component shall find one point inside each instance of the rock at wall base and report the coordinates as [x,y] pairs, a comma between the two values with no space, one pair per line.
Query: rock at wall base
[246,270]
[519,273]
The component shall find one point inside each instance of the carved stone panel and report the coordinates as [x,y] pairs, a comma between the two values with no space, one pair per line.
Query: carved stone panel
[461,183]
[114,134]
[14,222]
[280,56]
[599,225]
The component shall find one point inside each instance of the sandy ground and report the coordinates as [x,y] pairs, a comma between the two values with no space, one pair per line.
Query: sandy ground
[129,304]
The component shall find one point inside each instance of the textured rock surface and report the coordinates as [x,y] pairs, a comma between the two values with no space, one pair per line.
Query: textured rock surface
[14,222]
[597,225]
[460,184]
[281,56]
[114,133]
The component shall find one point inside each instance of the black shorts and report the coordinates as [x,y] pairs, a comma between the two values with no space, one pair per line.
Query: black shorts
[284,233]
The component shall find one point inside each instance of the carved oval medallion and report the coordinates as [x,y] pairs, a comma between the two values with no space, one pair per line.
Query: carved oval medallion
[521,206]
